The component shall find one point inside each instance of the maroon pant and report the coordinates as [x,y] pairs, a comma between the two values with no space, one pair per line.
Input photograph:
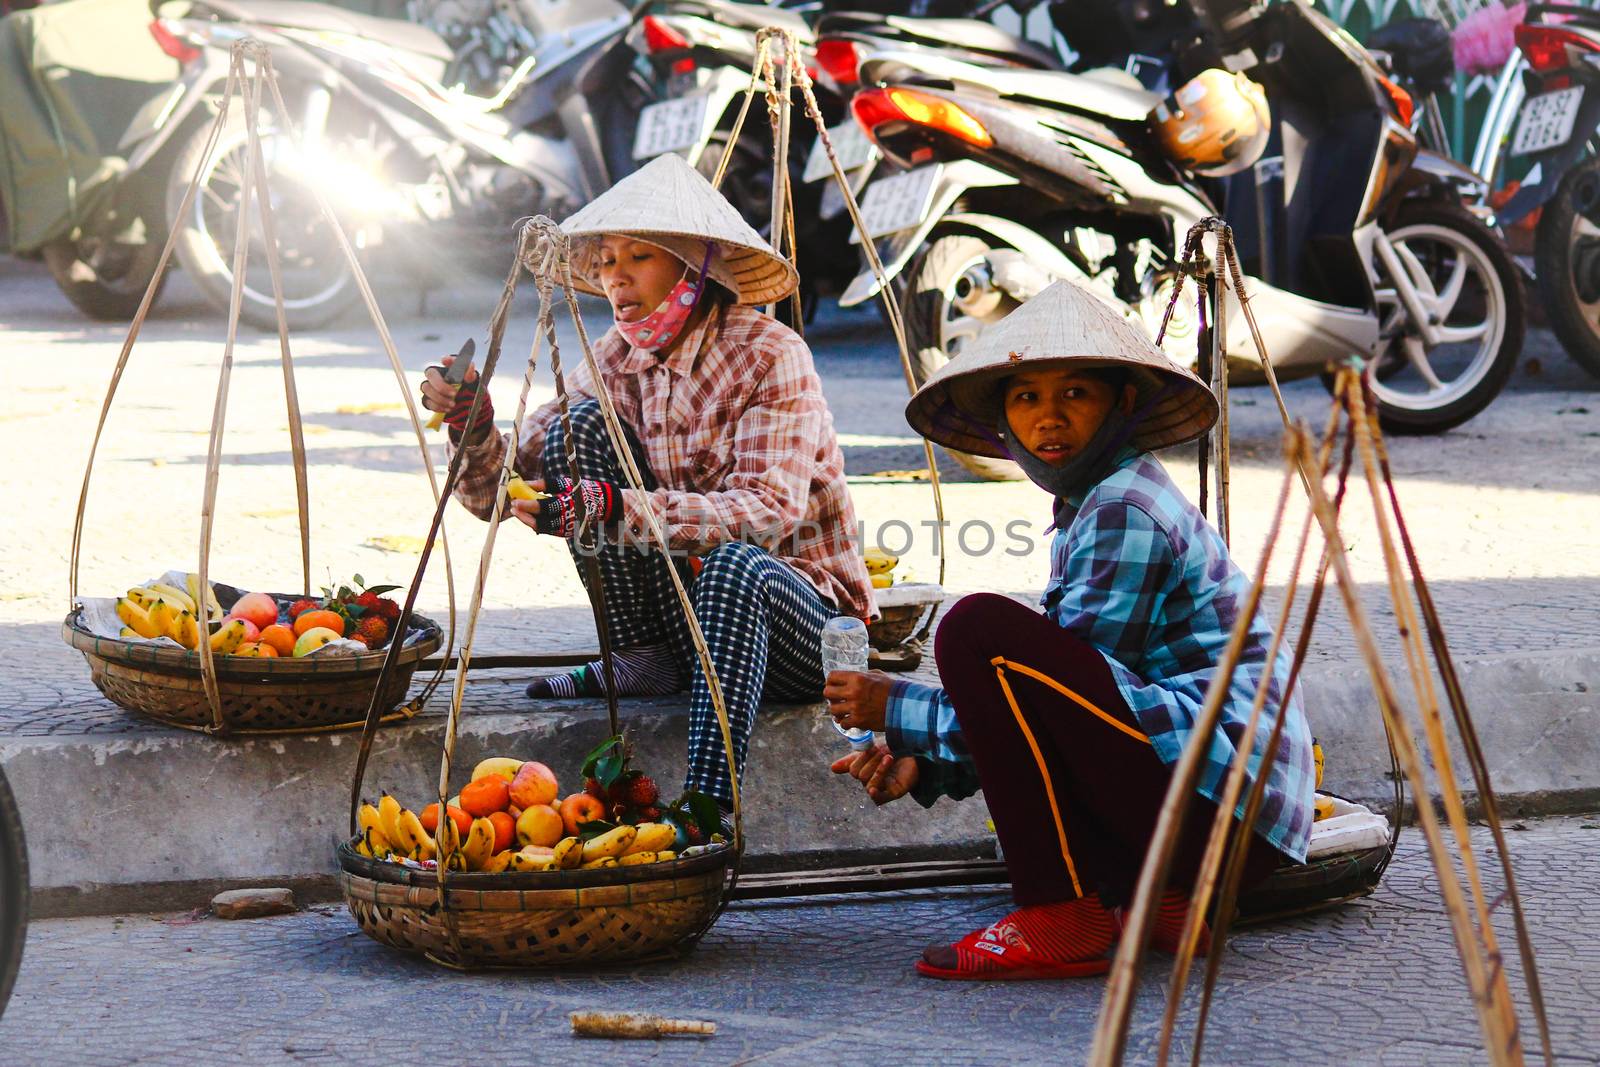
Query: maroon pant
[1072,782]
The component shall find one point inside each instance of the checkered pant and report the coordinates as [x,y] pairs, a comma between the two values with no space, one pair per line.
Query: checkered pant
[761,619]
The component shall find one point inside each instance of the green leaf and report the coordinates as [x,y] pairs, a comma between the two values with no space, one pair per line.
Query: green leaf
[706,812]
[361,581]
[608,769]
[594,755]
[593,829]
[379,590]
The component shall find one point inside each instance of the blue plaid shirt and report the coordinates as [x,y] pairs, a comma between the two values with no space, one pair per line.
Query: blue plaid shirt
[1141,575]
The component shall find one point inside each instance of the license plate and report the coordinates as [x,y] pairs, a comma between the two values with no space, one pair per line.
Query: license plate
[1547,121]
[850,143]
[670,126]
[897,203]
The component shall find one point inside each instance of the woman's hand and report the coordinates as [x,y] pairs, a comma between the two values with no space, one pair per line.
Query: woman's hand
[455,401]
[527,511]
[885,776]
[858,698]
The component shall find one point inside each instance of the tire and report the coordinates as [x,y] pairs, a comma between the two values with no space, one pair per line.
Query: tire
[317,281]
[935,321]
[1435,241]
[105,280]
[13,892]
[1566,257]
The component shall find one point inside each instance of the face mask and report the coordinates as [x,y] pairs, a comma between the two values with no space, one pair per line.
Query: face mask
[662,326]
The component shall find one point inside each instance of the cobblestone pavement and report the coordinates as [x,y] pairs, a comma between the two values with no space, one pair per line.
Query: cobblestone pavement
[826,980]
[1503,508]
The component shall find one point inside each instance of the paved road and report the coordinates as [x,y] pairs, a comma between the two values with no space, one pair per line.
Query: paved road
[801,982]
[1504,508]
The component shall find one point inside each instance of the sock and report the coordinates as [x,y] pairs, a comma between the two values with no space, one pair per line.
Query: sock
[641,672]
[1065,931]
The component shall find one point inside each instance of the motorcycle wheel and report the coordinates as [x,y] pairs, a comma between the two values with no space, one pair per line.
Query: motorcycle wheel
[105,280]
[13,892]
[1566,256]
[1469,281]
[948,301]
[317,281]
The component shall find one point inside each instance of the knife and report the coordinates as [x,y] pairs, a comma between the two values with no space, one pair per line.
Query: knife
[455,374]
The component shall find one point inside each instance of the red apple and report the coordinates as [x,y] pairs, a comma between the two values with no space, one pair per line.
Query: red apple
[257,608]
[533,785]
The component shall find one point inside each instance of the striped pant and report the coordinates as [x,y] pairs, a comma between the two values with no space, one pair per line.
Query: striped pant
[761,619]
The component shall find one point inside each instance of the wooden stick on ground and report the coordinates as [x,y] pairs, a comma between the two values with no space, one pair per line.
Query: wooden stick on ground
[629,1024]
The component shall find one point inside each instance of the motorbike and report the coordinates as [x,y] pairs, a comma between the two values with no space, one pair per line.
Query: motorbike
[1558,133]
[81,175]
[702,52]
[425,172]
[1014,179]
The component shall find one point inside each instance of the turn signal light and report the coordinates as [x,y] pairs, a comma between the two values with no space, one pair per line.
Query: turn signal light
[840,59]
[172,44]
[1404,106]
[660,37]
[874,107]
[1545,47]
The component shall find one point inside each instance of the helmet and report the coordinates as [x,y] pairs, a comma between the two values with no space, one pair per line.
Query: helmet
[1216,124]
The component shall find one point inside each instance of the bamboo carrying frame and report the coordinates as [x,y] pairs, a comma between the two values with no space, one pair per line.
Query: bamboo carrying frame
[1352,419]
[262,704]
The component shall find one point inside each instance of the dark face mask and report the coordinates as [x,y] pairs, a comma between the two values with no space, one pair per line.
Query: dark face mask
[1080,473]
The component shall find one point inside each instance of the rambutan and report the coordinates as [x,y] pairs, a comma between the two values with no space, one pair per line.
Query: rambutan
[371,631]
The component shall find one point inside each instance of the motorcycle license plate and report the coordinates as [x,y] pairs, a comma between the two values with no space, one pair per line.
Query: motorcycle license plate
[897,203]
[850,144]
[1547,121]
[670,126]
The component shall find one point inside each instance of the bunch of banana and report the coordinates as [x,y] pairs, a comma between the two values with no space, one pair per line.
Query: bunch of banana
[880,567]
[161,615]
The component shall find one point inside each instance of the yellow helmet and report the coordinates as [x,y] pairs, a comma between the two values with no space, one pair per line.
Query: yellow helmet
[1215,125]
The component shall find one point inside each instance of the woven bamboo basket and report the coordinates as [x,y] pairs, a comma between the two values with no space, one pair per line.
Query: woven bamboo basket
[538,919]
[1301,887]
[258,695]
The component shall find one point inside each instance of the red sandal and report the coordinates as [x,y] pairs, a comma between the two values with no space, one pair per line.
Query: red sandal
[1067,939]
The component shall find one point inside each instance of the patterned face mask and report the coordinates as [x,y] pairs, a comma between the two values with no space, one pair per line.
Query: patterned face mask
[662,326]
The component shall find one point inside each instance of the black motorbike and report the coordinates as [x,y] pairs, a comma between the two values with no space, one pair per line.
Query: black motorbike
[13,891]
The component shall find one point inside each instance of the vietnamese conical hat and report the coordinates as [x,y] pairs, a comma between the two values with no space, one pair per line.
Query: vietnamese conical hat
[669,203]
[960,405]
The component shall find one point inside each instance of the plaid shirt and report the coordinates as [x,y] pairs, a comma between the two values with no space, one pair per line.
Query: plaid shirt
[1142,576]
[737,432]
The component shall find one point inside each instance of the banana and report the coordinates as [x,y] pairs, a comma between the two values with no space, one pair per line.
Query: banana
[651,837]
[1317,761]
[479,845]
[1324,807]
[228,639]
[188,630]
[362,848]
[411,838]
[127,631]
[569,853]
[498,862]
[666,854]
[504,766]
[367,817]
[137,619]
[881,581]
[213,608]
[389,820]
[521,861]
[164,615]
[183,599]
[517,489]
[596,864]
[142,595]
[633,859]
[878,561]
[612,843]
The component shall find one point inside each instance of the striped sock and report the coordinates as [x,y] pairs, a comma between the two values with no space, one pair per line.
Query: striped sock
[641,672]
[1063,932]
[1170,917]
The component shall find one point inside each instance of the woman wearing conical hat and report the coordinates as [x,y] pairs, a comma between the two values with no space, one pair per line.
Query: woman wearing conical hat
[727,422]
[1070,720]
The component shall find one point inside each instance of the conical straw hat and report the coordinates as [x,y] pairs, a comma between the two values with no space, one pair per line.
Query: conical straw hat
[669,203]
[960,405]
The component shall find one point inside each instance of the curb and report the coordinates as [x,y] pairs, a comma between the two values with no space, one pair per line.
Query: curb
[164,821]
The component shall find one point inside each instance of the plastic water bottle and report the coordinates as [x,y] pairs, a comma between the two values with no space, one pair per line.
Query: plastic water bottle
[844,648]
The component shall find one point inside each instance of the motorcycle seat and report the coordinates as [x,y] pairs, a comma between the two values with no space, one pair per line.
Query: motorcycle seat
[755,17]
[1101,91]
[305,15]
[970,35]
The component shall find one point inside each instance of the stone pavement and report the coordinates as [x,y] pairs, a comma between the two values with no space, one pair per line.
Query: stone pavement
[807,981]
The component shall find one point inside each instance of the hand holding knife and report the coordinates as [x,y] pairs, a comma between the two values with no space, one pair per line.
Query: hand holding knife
[455,374]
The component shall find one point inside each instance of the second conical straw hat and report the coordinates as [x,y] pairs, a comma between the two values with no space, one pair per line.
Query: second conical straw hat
[669,203]
[959,406]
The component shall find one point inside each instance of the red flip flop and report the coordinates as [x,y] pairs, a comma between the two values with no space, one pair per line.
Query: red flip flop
[1080,933]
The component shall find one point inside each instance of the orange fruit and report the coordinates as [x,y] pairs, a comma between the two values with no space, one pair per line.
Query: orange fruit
[307,620]
[486,796]
[429,817]
[279,637]
[505,830]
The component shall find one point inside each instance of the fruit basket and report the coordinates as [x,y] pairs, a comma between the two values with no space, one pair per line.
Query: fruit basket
[163,682]
[540,918]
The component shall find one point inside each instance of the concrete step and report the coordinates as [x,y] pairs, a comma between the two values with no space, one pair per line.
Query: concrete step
[165,818]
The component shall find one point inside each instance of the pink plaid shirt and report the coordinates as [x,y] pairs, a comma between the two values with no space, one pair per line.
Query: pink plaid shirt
[737,433]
